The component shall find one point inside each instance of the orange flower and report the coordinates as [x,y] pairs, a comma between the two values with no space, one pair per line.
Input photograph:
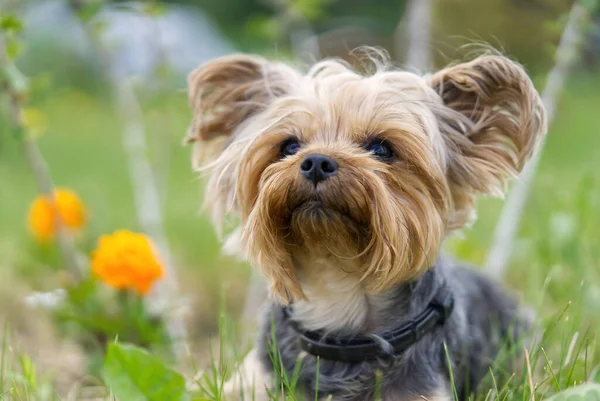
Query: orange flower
[126,260]
[43,213]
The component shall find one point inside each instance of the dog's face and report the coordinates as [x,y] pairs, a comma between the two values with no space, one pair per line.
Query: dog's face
[376,169]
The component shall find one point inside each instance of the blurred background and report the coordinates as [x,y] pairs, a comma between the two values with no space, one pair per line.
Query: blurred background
[153,45]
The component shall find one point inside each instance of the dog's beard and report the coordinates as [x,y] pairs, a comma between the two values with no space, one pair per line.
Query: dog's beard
[353,216]
[322,221]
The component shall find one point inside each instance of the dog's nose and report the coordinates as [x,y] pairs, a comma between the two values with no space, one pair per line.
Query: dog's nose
[317,167]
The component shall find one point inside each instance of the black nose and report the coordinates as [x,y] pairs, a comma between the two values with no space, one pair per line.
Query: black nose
[317,167]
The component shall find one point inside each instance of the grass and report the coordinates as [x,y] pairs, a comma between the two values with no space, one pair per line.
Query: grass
[555,267]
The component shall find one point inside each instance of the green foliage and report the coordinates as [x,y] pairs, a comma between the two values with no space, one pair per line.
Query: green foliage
[519,28]
[590,5]
[154,8]
[94,315]
[10,23]
[133,374]
[312,10]
[10,27]
[19,378]
[239,20]
[211,384]
[264,27]
[379,18]
[3,348]
[586,392]
[86,10]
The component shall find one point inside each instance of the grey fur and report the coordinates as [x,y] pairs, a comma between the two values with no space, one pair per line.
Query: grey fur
[483,317]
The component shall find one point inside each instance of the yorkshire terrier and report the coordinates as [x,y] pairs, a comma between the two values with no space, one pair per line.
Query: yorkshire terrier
[343,186]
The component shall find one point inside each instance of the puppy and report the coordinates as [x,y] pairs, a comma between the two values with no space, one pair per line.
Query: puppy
[343,187]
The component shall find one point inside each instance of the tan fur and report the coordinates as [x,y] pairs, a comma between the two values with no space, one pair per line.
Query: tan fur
[504,119]
[457,133]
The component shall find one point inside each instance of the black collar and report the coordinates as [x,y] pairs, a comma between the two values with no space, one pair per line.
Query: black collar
[359,349]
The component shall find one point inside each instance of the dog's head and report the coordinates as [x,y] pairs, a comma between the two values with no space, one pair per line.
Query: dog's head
[377,168]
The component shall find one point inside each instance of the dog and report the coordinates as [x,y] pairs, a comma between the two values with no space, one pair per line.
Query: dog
[342,186]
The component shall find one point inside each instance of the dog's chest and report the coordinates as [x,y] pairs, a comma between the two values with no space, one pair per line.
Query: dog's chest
[338,303]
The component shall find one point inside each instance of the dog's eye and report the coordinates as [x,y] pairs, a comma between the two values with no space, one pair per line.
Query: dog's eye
[289,147]
[380,149]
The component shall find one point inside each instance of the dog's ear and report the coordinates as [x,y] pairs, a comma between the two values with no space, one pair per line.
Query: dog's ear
[226,92]
[491,121]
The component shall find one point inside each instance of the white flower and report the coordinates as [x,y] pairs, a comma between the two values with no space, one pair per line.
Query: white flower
[46,300]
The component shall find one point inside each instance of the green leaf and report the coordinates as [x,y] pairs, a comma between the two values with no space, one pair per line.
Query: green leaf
[595,376]
[585,392]
[133,374]
[10,23]
[28,371]
[13,48]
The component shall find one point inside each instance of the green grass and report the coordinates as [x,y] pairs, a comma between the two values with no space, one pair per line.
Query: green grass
[555,265]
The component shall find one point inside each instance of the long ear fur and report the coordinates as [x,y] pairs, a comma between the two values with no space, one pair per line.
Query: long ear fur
[225,92]
[491,122]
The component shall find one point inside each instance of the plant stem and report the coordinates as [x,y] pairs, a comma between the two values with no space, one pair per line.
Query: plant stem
[41,173]
[415,29]
[510,217]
